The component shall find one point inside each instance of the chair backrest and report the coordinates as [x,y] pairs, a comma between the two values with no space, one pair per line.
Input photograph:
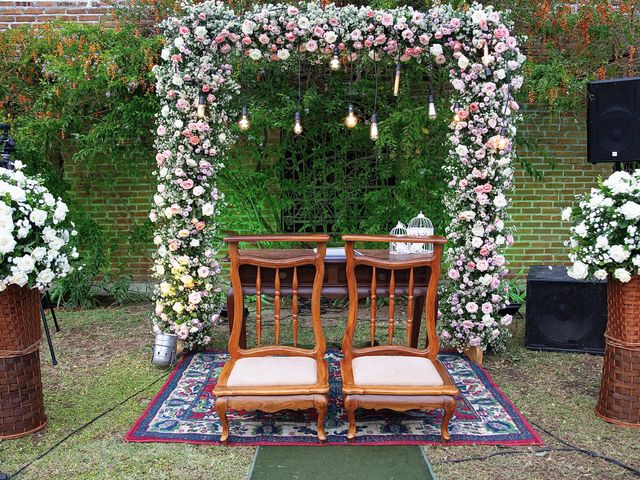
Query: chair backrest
[419,271]
[276,275]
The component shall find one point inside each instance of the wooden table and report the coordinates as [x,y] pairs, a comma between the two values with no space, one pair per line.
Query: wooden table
[335,282]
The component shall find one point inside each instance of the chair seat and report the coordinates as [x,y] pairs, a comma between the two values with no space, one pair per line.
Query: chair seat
[392,370]
[273,371]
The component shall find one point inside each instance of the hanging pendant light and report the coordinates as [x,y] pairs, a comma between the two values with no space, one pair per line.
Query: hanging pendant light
[396,81]
[456,116]
[297,127]
[244,122]
[334,63]
[373,130]
[202,102]
[351,120]
[486,58]
[432,108]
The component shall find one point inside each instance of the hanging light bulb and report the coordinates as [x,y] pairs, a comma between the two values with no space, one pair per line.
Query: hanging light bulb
[456,116]
[297,128]
[396,82]
[351,120]
[334,63]
[244,122]
[432,108]
[202,102]
[486,58]
[373,131]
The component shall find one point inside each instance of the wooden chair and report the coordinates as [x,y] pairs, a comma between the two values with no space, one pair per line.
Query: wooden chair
[275,377]
[394,377]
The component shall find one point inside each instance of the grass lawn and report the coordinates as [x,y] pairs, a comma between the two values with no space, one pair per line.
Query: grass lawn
[104,357]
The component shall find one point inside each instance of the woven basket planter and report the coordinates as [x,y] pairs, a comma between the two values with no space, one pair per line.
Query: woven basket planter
[21,401]
[619,400]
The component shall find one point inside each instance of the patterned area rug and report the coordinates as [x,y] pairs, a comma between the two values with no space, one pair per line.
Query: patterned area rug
[183,411]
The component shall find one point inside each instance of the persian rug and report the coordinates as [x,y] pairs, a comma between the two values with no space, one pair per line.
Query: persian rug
[183,411]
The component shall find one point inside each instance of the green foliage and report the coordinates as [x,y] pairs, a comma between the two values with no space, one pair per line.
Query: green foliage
[80,98]
[330,178]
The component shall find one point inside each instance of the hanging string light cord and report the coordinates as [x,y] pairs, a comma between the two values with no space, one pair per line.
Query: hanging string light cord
[299,77]
[82,427]
[568,447]
[375,74]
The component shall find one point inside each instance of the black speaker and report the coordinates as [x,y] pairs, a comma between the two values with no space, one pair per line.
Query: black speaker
[613,121]
[564,314]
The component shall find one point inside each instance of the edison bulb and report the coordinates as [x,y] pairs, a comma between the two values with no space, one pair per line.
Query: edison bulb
[334,63]
[373,131]
[351,120]
[396,82]
[202,101]
[244,122]
[297,128]
[432,108]
[486,58]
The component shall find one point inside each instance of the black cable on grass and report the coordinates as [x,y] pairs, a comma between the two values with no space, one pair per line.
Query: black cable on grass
[82,427]
[569,447]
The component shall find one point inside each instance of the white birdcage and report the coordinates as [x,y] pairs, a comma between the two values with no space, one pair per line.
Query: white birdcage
[400,230]
[420,226]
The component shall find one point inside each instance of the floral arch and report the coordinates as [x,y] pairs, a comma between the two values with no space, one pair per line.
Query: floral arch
[484,62]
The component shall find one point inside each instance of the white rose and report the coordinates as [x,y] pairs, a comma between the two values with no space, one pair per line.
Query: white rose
[165,111]
[248,26]
[177,80]
[619,182]
[622,275]
[581,230]
[198,190]
[6,222]
[165,288]
[179,42]
[462,150]
[630,210]
[178,307]
[178,123]
[24,264]
[477,230]
[7,243]
[255,54]
[45,277]
[61,212]
[476,242]
[600,274]
[618,253]
[602,242]
[49,200]
[436,49]
[207,209]
[596,200]
[39,253]
[38,217]
[304,23]
[165,54]
[283,54]
[19,278]
[500,201]
[330,36]
[566,214]
[463,62]
[578,270]
[200,31]
[467,215]
[607,202]
[195,298]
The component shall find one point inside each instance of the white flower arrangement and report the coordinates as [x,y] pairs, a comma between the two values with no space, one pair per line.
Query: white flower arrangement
[34,232]
[605,236]
[484,62]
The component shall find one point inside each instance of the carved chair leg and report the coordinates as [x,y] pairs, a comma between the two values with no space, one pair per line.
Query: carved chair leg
[321,402]
[221,409]
[449,408]
[350,405]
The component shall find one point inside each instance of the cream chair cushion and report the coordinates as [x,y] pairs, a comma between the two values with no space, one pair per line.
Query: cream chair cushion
[273,371]
[395,371]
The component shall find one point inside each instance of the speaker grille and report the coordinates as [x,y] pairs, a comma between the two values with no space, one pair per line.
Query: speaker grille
[564,314]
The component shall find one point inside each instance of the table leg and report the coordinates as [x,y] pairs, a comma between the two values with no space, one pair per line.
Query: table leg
[418,310]
[231,318]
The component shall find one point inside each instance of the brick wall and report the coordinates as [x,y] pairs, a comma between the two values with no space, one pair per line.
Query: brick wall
[559,153]
[16,13]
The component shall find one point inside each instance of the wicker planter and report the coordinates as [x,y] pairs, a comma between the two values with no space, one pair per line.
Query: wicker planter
[619,400]
[21,401]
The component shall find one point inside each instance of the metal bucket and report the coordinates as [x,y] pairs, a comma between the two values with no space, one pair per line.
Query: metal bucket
[164,349]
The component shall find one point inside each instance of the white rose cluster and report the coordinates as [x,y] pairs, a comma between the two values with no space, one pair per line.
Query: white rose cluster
[34,232]
[605,236]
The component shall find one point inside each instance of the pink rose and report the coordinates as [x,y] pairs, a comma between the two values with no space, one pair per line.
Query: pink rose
[506,320]
[161,130]
[187,184]
[454,274]
[471,265]
[387,20]
[194,140]
[160,159]
[472,307]
[501,32]
[247,40]
[424,39]
[482,265]
[184,31]
[484,251]
[475,342]
[487,307]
